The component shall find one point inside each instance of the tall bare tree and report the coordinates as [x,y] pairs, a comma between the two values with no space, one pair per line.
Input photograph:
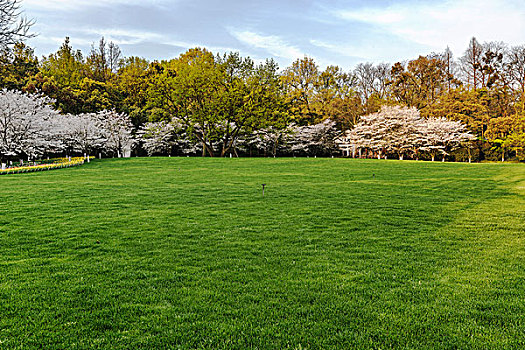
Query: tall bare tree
[13,26]
[450,67]
[114,56]
[493,62]
[471,63]
[365,75]
[516,69]
[372,83]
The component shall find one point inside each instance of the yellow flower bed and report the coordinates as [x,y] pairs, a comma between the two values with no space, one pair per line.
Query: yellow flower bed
[57,164]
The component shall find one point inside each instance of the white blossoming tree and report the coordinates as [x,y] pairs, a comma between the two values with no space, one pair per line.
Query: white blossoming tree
[157,137]
[164,137]
[401,130]
[84,133]
[369,133]
[118,133]
[27,125]
[442,135]
[393,129]
[318,139]
[269,141]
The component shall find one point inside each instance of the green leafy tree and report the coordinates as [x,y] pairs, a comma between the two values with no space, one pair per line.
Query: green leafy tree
[421,82]
[67,66]
[17,66]
[508,133]
[315,95]
[336,98]
[300,81]
[217,99]
[133,81]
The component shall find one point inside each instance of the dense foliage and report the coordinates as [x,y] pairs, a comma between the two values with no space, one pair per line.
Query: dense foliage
[220,103]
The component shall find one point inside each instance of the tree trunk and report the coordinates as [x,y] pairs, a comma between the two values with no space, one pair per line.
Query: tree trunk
[481,153]
[205,147]
[433,157]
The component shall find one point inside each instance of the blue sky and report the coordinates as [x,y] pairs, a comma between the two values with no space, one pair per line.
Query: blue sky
[335,32]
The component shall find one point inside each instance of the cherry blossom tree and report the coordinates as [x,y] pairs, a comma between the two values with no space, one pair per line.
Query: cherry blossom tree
[317,139]
[27,125]
[118,132]
[30,127]
[48,139]
[394,129]
[441,135]
[270,141]
[403,131]
[157,137]
[165,137]
[84,133]
[369,133]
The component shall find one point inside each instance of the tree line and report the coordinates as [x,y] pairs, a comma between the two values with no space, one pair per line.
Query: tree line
[31,129]
[220,104]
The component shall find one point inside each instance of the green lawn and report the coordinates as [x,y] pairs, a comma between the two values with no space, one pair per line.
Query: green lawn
[186,253]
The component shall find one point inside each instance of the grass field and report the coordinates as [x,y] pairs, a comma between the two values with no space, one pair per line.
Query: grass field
[187,253]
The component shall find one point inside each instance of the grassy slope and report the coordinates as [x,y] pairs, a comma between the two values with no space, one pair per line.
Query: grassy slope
[339,253]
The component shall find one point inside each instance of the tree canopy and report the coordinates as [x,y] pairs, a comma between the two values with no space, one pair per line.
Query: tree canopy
[217,101]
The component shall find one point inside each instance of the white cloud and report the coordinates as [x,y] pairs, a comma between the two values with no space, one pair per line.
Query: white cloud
[452,22]
[125,36]
[360,53]
[191,45]
[57,41]
[343,50]
[274,45]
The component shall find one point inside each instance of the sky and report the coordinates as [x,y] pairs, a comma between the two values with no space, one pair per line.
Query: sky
[333,32]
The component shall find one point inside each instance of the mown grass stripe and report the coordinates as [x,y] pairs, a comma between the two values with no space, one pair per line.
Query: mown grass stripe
[187,253]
